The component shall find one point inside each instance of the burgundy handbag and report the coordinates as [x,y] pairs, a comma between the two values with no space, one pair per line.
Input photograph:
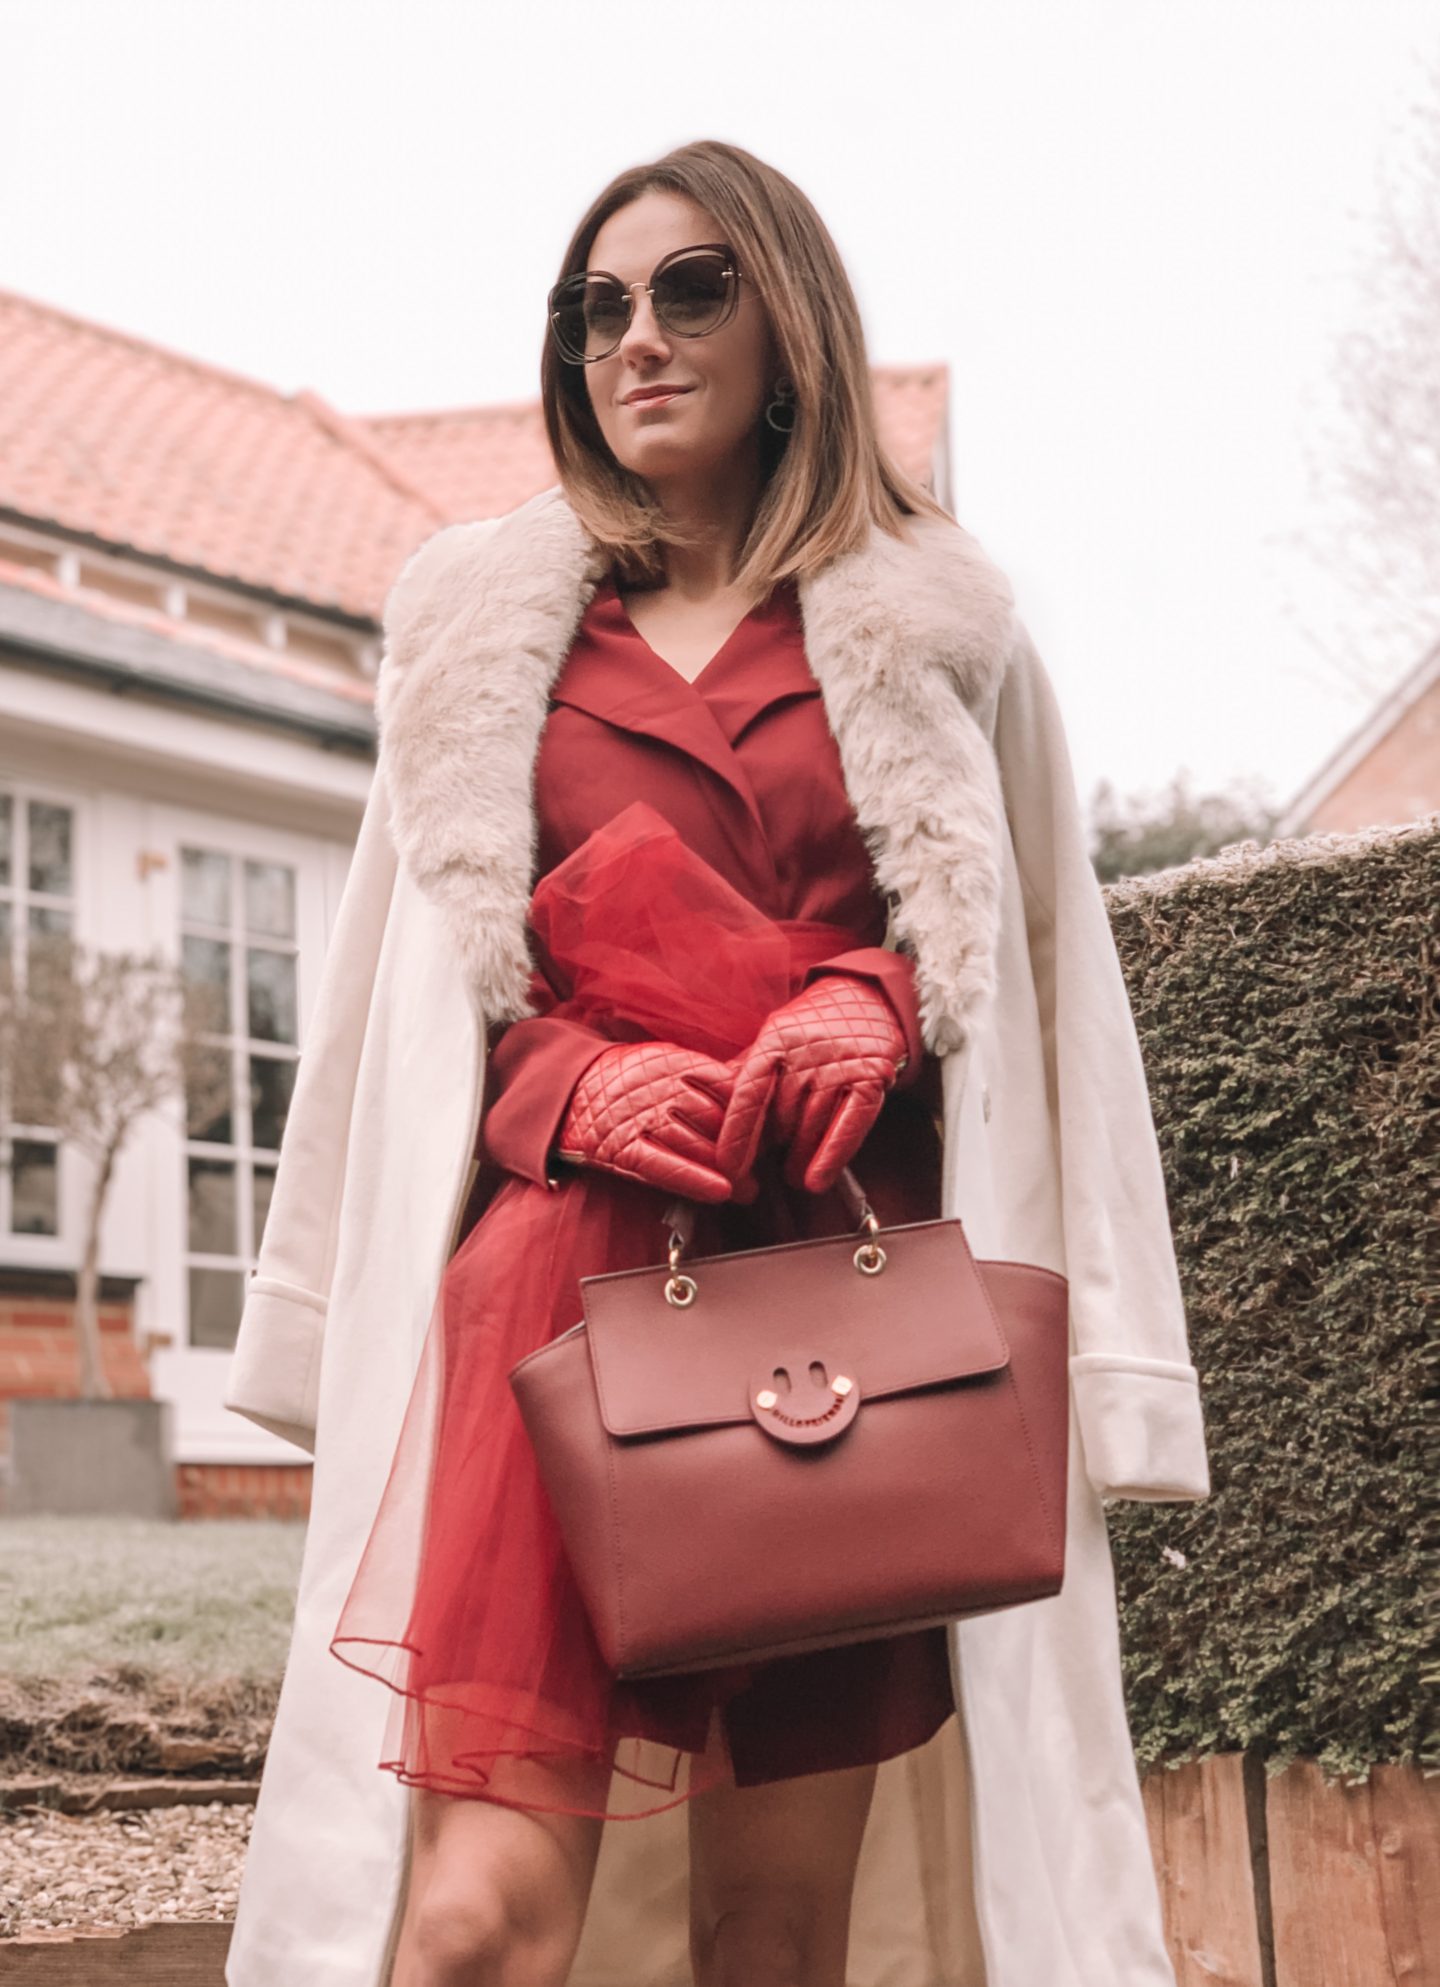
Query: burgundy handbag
[790,1448]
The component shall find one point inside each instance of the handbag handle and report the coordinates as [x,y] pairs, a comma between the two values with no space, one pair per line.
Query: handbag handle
[679,1218]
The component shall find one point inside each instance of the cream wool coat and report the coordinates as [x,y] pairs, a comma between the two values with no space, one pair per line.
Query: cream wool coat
[1011,1850]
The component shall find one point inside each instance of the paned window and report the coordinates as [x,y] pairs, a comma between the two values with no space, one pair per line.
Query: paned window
[37,898]
[238,941]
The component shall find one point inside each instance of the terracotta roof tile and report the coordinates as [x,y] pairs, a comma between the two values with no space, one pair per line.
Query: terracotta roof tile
[911,408]
[145,450]
[478,461]
[117,439]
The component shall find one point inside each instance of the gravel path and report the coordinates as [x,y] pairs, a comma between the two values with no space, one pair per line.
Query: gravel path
[59,1870]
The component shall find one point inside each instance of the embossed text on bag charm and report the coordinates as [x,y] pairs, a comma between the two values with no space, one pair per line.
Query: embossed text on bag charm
[797,1400]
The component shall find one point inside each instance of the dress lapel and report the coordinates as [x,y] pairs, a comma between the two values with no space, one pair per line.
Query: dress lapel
[763,664]
[613,674]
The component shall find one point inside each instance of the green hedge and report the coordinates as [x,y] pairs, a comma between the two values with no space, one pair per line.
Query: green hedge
[1288,1003]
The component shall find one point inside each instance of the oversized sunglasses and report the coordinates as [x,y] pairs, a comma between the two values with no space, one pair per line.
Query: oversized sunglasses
[692,291]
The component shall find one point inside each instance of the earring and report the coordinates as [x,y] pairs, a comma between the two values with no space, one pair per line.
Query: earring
[782,410]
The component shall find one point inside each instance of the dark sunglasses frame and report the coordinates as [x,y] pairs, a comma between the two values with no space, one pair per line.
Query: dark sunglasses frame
[572,288]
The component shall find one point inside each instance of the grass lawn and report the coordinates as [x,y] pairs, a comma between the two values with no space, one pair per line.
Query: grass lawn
[191,1602]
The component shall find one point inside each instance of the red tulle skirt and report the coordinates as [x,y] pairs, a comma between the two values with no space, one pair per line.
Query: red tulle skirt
[463,1601]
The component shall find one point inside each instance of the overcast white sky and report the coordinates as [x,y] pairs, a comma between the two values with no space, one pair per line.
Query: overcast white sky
[1134,229]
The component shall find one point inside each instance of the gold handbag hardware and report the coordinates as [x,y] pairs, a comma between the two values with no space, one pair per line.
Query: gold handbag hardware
[682,1290]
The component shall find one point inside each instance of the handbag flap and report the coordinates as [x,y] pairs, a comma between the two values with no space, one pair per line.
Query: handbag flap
[923,1319]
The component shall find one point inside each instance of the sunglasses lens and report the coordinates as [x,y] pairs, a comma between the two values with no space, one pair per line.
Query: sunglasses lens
[588,318]
[693,295]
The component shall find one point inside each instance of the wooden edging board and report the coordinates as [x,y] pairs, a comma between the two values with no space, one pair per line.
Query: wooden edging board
[1264,1882]
[190,1954]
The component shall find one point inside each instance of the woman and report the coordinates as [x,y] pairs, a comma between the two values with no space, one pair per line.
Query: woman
[583,700]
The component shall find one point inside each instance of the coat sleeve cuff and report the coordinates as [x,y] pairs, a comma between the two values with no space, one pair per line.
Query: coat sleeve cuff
[274,1373]
[894,974]
[533,1069]
[1141,1427]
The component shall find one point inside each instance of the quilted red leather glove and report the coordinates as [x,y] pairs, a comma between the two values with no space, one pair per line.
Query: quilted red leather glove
[650,1111]
[816,1076]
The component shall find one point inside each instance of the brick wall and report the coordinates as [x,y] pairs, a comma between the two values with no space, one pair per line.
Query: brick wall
[243,1490]
[1397,780]
[40,1354]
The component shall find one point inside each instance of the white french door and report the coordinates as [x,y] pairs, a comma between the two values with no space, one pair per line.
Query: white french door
[246,910]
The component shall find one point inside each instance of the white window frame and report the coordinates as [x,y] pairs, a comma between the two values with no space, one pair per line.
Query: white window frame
[240,1153]
[193,1376]
[62,1249]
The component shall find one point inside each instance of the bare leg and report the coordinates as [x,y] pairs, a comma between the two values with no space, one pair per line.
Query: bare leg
[772,1871]
[496,1896]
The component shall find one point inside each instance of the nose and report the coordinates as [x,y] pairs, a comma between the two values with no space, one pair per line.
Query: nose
[644,337]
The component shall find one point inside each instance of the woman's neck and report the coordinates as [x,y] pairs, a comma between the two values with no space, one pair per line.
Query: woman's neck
[716,514]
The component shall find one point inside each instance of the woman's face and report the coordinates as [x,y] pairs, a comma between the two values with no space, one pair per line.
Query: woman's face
[724,379]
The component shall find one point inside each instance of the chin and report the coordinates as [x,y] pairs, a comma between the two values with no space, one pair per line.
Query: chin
[663,456]
[665,459]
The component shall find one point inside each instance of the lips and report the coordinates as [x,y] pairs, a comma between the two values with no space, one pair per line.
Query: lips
[643,395]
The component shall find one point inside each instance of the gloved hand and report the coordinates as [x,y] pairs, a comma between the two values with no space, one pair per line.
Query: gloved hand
[650,1111]
[815,1076]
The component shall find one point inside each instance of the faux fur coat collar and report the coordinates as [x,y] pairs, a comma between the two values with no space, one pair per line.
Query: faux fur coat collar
[908,642]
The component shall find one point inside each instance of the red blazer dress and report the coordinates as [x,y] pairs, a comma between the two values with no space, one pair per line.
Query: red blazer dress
[655,798]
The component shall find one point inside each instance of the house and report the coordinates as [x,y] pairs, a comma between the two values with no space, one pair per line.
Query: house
[1386,772]
[192,569]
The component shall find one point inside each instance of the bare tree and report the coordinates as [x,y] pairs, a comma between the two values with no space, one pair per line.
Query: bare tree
[89,1043]
[1374,456]
[1142,832]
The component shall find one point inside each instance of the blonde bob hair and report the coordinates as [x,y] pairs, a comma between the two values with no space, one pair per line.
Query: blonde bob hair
[828,482]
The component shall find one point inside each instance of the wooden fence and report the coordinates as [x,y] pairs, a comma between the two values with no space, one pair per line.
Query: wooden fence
[1288,1882]
[1265,1883]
